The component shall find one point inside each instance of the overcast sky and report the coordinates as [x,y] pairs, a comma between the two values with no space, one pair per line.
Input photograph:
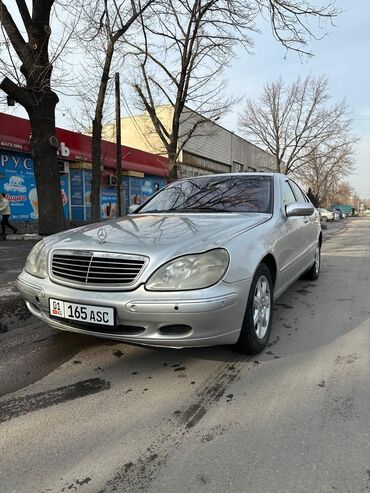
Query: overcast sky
[343,55]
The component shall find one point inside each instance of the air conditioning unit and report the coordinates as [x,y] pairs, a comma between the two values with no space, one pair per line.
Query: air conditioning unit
[112,180]
[64,167]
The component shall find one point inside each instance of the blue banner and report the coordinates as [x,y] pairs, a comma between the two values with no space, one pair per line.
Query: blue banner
[151,185]
[77,187]
[17,180]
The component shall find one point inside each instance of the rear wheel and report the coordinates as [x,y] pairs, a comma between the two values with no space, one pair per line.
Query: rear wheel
[314,271]
[257,321]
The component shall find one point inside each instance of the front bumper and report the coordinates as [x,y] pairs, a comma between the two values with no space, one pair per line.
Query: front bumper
[212,316]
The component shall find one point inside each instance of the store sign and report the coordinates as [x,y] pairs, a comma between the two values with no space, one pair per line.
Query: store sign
[64,150]
[11,145]
[17,180]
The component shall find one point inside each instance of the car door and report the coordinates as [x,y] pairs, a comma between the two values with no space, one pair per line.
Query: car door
[310,230]
[293,243]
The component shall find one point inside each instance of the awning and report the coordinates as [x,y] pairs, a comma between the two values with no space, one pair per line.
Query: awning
[15,135]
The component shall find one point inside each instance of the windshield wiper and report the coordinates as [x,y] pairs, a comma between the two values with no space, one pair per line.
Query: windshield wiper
[203,209]
[186,209]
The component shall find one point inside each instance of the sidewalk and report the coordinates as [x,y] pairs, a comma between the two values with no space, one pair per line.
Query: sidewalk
[13,311]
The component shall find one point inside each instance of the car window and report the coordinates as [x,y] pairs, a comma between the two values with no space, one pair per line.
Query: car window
[287,195]
[297,192]
[214,194]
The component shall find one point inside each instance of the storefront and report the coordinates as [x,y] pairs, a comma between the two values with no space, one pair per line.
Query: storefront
[143,173]
[17,180]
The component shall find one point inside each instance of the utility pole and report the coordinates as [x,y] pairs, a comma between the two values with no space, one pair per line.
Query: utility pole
[118,146]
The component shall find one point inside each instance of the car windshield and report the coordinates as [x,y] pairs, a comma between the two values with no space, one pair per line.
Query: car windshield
[214,194]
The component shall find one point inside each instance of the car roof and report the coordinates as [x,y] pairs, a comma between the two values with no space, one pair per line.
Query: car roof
[216,175]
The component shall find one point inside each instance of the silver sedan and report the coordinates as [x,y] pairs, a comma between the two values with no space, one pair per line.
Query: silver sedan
[200,263]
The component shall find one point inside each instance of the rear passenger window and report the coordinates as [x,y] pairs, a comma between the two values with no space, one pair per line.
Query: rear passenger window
[287,195]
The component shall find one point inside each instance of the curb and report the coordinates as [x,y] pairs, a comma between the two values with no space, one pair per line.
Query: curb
[25,236]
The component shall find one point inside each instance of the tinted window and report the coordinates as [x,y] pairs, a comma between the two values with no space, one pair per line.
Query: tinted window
[214,194]
[287,195]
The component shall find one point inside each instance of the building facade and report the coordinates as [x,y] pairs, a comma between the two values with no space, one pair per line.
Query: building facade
[143,173]
[211,149]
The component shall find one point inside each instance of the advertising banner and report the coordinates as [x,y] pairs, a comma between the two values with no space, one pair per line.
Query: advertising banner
[151,185]
[77,195]
[17,180]
[77,187]
[108,203]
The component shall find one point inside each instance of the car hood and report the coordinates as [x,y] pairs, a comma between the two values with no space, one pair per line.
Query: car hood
[148,234]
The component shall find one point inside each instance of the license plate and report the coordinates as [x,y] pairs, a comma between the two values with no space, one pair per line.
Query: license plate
[83,313]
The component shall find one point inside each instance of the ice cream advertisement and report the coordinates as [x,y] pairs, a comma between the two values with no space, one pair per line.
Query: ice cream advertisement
[17,180]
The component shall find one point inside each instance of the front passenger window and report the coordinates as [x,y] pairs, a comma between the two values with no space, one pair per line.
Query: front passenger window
[297,192]
[287,195]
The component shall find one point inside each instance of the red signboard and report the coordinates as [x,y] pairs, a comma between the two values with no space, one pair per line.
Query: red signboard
[15,135]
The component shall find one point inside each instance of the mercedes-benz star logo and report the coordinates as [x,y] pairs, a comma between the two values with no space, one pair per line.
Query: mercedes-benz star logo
[102,235]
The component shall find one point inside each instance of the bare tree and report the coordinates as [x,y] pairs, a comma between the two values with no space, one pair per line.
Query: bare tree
[343,194]
[100,34]
[324,170]
[293,121]
[26,69]
[180,61]
[183,55]
[292,21]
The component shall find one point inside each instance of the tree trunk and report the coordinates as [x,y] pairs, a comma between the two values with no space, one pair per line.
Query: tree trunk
[173,166]
[97,134]
[44,152]
[96,171]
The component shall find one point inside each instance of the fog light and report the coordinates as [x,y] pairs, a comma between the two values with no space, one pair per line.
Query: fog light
[175,330]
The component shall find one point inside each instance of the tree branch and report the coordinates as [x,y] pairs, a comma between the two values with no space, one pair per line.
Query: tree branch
[23,10]
[12,31]
[19,94]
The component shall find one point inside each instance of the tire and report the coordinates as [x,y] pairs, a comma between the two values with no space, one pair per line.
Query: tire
[313,272]
[324,219]
[257,322]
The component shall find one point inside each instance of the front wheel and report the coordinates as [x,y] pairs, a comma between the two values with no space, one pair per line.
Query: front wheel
[257,322]
[314,271]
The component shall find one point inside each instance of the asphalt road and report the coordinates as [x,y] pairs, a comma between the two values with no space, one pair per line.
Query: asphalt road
[80,414]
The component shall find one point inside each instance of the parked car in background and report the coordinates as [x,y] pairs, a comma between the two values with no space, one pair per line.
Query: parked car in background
[342,214]
[344,208]
[198,264]
[337,214]
[325,214]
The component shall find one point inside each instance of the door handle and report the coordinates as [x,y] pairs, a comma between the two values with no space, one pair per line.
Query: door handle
[305,220]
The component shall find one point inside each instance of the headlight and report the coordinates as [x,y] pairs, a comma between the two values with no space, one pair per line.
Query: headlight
[36,261]
[190,272]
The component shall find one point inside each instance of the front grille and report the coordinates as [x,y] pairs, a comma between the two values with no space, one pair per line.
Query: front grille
[96,268]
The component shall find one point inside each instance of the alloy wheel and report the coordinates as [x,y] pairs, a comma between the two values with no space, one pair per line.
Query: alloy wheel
[261,307]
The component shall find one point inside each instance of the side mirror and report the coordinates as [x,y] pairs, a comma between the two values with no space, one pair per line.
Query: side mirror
[299,209]
[133,208]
